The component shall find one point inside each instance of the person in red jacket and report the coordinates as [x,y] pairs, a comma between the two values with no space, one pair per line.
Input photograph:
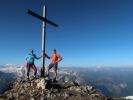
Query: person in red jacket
[54,63]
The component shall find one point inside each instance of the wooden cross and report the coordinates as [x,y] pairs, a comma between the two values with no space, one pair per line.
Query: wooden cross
[44,20]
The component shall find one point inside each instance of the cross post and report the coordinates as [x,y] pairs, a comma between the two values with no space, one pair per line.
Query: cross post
[43,40]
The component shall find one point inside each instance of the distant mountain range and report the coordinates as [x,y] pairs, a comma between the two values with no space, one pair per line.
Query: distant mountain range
[109,81]
[5,79]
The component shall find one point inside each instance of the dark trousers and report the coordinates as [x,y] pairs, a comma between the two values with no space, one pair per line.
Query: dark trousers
[28,66]
[54,66]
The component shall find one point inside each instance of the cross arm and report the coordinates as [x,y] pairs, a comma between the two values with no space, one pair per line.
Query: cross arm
[41,18]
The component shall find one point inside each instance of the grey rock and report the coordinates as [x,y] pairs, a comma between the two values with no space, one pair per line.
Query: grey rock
[22,91]
[41,89]
[66,95]
[32,98]
[9,96]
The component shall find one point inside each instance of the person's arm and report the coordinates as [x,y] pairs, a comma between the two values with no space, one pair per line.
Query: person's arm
[26,59]
[37,57]
[41,56]
[59,58]
[47,56]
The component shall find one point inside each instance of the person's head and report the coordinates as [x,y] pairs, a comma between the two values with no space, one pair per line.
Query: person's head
[54,50]
[31,51]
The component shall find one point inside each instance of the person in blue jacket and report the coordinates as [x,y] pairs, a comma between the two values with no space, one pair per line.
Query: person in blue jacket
[30,63]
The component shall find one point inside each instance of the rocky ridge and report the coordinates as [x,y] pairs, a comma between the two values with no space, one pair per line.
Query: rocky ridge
[43,89]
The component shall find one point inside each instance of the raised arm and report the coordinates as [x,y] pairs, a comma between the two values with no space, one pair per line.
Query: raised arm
[47,56]
[37,57]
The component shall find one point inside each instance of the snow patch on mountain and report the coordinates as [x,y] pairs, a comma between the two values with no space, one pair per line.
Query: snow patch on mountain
[129,97]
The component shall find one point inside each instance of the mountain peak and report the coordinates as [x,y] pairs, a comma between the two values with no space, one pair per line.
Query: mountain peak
[42,89]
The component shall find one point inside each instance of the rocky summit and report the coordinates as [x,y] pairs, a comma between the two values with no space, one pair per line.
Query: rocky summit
[43,89]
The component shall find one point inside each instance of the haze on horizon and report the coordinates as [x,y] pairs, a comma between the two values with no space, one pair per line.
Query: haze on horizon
[90,32]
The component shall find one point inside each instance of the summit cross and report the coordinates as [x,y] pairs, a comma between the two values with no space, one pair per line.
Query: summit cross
[44,22]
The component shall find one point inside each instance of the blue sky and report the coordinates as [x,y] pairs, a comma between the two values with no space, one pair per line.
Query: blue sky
[90,32]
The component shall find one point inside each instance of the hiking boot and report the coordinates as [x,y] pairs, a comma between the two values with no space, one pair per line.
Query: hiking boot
[28,78]
[35,77]
[54,80]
